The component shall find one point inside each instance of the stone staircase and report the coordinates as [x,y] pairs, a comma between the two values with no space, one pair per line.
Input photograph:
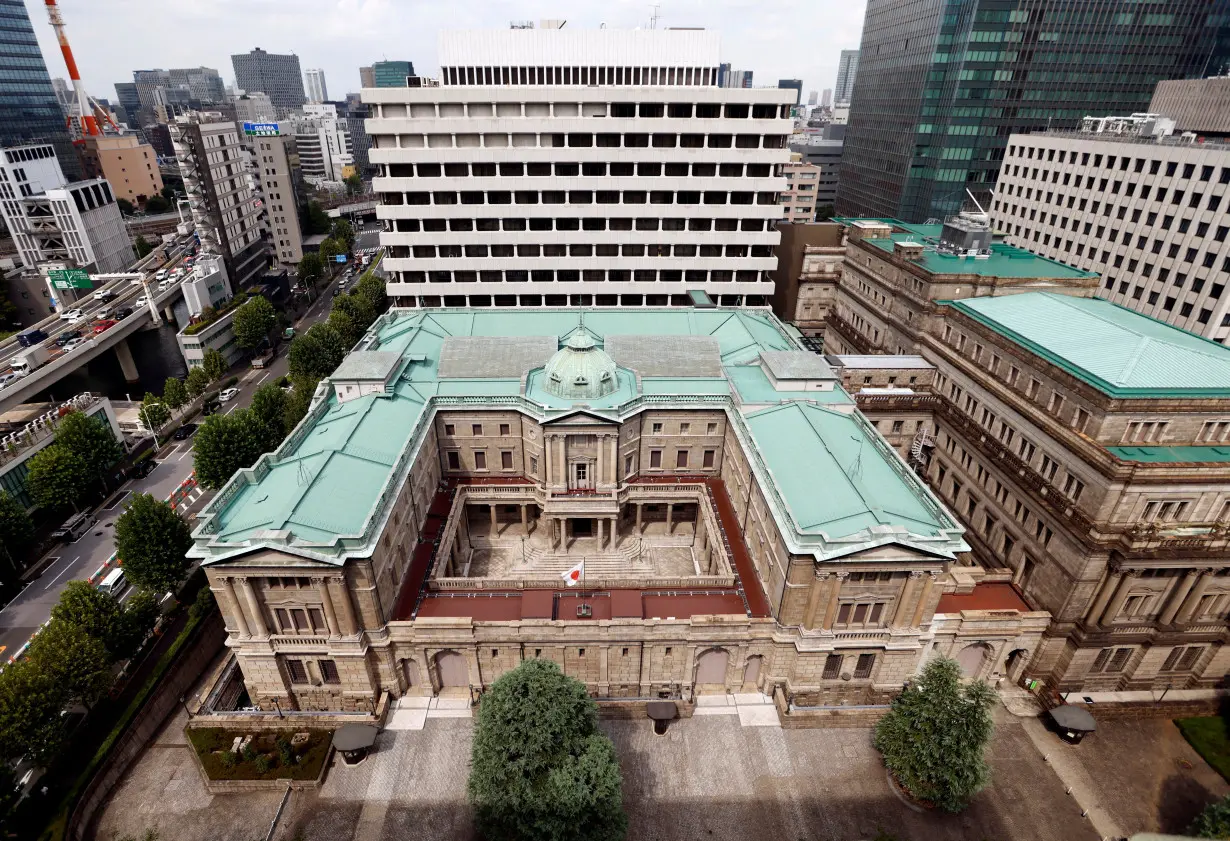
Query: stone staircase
[623,562]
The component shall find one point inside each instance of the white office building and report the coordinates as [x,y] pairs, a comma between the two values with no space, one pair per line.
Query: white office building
[570,167]
[1150,213]
[71,225]
[324,144]
[314,85]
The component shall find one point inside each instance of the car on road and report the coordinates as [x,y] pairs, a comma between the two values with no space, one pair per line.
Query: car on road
[5,379]
[104,325]
[228,394]
[143,469]
[337,291]
[71,316]
[76,526]
[143,301]
[122,313]
[66,337]
[184,431]
[104,294]
[74,344]
[31,337]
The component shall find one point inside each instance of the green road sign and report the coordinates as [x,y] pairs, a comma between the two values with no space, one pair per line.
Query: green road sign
[70,279]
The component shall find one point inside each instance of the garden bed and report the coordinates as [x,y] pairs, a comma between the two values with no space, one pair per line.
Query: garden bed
[265,755]
[1208,736]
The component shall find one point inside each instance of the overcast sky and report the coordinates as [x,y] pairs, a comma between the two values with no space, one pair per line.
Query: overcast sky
[777,39]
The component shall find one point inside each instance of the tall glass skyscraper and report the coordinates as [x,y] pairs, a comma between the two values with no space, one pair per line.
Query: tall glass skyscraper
[941,85]
[29,110]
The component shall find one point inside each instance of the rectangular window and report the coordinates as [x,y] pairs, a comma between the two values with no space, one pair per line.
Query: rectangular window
[627,465]
[506,460]
[655,458]
[656,429]
[449,429]
[708,458]
[480,460]
[681,458]
[454,460]
[328,671]
[711,429]
[476,429]
[318,620]
[533,466]
[866,662]
[505,429]
[832,667]
[298,674]
[684,427]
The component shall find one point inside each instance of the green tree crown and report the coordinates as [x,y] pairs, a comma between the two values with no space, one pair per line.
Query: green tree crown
[224,444]
[58,477]
[253,321]
[214,365]
[934,738]
[197,382]
[267,414]
[31,723]
[540,768]
[316,352]
[311,267]
[90,438]
[174,393]
[153,411]
[150,540]
[16,529]
[75,660]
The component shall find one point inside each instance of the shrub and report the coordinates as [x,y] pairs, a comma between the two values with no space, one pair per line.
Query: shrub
[1214,821]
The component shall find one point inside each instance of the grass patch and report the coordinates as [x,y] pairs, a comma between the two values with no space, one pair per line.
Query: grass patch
[1208,736]
[270,755]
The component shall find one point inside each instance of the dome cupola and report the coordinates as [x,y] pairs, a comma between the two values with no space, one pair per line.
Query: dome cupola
[580,370]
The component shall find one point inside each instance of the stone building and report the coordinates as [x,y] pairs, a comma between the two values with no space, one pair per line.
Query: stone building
[1081,444]
[809,259]
[729,519]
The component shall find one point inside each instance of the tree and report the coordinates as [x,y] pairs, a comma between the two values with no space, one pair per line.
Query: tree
[1213,822]
[175,394]
[78,662]
[252,322]
[57,477]
[151,539]
[168,193]
[31,703]
[329,249]
[143,246]
[214,365]
[154,412]
[343,232]
[358,308]
[298,401]
[316,352]
[119,629]
[125,206]
[224,444]
[348,332]
[90,438]
[267,414]
[354,184]
[197,382]
[311,267]
[372,289]
[16,530]
[540,768]
[934,737]
[314,219]
[157,204]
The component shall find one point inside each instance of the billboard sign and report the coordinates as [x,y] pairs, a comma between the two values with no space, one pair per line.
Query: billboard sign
[260,129]
[70,279]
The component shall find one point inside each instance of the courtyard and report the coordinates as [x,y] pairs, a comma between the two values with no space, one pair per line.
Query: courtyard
[707,778]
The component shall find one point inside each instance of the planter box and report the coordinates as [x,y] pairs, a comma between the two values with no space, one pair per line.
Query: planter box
[244,786]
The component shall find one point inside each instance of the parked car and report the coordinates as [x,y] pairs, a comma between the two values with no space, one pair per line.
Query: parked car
[71,316]
[104,325]
[184,431]
[76,526]
[228,394]
[74,344]
[143,469]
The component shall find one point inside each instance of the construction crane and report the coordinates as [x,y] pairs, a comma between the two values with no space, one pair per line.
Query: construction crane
[89,114]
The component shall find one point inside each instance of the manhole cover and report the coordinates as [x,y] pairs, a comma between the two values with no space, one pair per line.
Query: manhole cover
[98,534]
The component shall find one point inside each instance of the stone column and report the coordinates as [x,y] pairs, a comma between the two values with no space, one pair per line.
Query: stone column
[1193,598]
[1108,590]
[547,461]
[600,524]
[603,680]
[1127,578]
[525,522]
[495,526]
[818,588]
[614,531]
[903,602]
[258,619]
[830,612]
[350,625]
[670,513]
[1177,597]
[326,601]
[235,608]
[563,461]
[600,477]
[928,584]
[614,459]
[639,529]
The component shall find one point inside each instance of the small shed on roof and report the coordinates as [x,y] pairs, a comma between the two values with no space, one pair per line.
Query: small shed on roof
[797,370]
[366,372]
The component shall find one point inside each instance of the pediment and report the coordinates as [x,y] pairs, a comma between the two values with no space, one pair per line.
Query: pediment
[579,419]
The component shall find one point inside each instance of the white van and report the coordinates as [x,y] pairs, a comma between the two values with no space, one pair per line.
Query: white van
[114,584]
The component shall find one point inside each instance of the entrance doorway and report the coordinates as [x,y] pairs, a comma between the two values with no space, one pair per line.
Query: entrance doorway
[582,476]
[972,658]
[582,527]
[452,670]
[711,669]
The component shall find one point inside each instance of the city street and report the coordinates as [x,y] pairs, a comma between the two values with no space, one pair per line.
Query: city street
[79,560]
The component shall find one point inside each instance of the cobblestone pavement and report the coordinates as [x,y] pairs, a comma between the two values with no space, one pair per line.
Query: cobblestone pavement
[707,778]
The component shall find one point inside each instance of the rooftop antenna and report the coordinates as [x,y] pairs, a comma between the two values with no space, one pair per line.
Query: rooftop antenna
[653,19]
[856,469]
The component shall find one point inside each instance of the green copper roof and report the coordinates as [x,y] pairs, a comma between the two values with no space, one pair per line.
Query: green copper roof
[1182,454]
[1117,351]
[327,490]
[580,370]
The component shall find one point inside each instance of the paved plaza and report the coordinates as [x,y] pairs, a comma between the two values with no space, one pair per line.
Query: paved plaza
[721,775]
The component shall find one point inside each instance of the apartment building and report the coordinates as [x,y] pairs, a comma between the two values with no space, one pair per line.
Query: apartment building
[225,209]
[275,160]
[1078,441]
[1149,213]
[277,75]
[129,165]
[324,144]
[571,167]
[798,200]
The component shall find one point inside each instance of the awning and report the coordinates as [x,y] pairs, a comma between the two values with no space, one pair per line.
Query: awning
[352,737]
[1074,718]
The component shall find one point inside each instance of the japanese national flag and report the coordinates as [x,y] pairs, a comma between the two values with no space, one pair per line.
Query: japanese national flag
[573,576]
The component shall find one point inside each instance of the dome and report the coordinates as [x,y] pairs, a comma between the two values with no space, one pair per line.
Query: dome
[580,370]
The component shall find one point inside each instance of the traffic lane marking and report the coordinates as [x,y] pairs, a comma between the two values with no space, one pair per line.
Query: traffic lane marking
[66,569]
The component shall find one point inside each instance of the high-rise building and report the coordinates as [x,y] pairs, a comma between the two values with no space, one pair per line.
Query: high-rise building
[630,176]
[795,85]
[823,150]
[730,78]
[812,98]
[148,84]
[54,220]
[129,165]
[323,141]
[204,84]
[1149,213]
[225,210]
[354,115]
[254,107]
[65,95]
[29,109]
[271,73]
[826,98]
[130,101]
[275,160]
[367,77]
[391,74]
[931,113]
[162,94]
[314,85]
[847,69]
[1199,105]
[798,200]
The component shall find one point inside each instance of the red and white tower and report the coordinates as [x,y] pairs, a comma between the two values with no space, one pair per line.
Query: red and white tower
[85,122]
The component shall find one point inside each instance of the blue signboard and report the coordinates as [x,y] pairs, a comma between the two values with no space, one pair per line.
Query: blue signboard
[341,258]
[261,129]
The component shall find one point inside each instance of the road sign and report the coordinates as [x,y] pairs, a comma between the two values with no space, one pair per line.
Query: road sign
[261,129]
[70,279]
[340,258]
